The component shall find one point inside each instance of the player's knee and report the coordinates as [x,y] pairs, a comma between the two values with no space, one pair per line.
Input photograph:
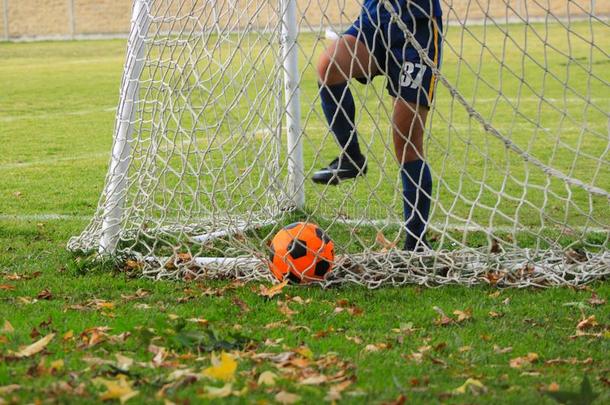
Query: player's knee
[328,72]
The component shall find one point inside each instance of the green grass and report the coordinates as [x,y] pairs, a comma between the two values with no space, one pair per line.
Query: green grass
[531,321]
[57,104]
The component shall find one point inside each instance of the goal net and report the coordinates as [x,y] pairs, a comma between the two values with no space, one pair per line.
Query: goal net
[219,129]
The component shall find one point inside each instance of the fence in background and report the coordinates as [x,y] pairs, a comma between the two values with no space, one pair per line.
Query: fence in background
[68,19]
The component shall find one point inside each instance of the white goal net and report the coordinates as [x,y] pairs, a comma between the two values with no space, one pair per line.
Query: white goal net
[219,129]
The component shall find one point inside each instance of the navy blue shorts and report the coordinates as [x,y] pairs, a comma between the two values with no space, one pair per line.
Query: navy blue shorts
[409,77]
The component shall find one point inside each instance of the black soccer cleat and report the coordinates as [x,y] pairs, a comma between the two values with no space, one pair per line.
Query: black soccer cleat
[342,168]
[418,245]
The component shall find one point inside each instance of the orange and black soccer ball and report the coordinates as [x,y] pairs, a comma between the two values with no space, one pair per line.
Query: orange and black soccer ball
[301,252]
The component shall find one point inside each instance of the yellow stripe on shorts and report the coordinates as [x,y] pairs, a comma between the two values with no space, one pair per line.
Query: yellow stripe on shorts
[433,80]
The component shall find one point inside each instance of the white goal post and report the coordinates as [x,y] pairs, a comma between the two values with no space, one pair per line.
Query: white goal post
[219,128]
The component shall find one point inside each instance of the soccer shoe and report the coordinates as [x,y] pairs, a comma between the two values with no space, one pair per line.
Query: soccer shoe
[420,246]
[341,168]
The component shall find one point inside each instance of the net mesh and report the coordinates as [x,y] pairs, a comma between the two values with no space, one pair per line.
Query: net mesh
[518,142]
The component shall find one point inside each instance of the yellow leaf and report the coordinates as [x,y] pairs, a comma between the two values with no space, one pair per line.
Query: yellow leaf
[267,378]
[116,389]
[274,290]
[286,398]
[305,352]
[471,385]
[57,365]
[34,347]
[7,328]
[68,335]
[213,392]
[222,368]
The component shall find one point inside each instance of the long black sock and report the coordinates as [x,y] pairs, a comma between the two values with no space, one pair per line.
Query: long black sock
[417,189]
[340,112]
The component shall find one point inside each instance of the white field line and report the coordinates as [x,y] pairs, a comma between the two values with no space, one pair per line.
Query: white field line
[352,222]
[11,118]
[43,217]
[9,166]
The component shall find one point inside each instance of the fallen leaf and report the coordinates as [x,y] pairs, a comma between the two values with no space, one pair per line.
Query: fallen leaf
[382,241]
[305,352]
[241,304]
[223,367]
[587,323]
[7,327]
[526,360]
[314,380]
[68,335]
[553,387]
[267,378]
[34,347]
[45,294]
[214,392]
[274,290]
[472,386]
[595,300]
[494,314]
[286,398]
[7,389]
[443,319]
[123,362]
[463,315]
[500,350]
[116,389]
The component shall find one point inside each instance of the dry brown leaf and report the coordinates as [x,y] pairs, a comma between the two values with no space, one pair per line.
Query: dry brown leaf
[45,295]
[314,380]
[553,387]
[520,362]
[587,323]
[382,241]
[595,300]
[463,315]
[123,362]
[357,340]
[500,350]
[34,348]
[286,398]
[241,304]
[7,389]
[375,347]
[273,290]
[571,360]
[443,319]
[7,327]
[494,314]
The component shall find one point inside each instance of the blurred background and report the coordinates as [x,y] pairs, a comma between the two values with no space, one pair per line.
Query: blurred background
[73,19]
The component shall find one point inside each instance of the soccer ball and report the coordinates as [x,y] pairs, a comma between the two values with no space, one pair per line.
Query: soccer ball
[302,252]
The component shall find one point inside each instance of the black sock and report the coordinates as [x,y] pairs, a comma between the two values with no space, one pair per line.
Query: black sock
[340,111]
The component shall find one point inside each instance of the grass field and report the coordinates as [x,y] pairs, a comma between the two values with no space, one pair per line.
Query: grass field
[57,103]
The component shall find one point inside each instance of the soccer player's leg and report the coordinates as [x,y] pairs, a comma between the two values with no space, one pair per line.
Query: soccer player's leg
[411,82]
[345,58]
[408,123]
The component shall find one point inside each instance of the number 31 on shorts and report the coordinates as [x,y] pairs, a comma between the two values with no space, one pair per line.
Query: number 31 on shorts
[412,74]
